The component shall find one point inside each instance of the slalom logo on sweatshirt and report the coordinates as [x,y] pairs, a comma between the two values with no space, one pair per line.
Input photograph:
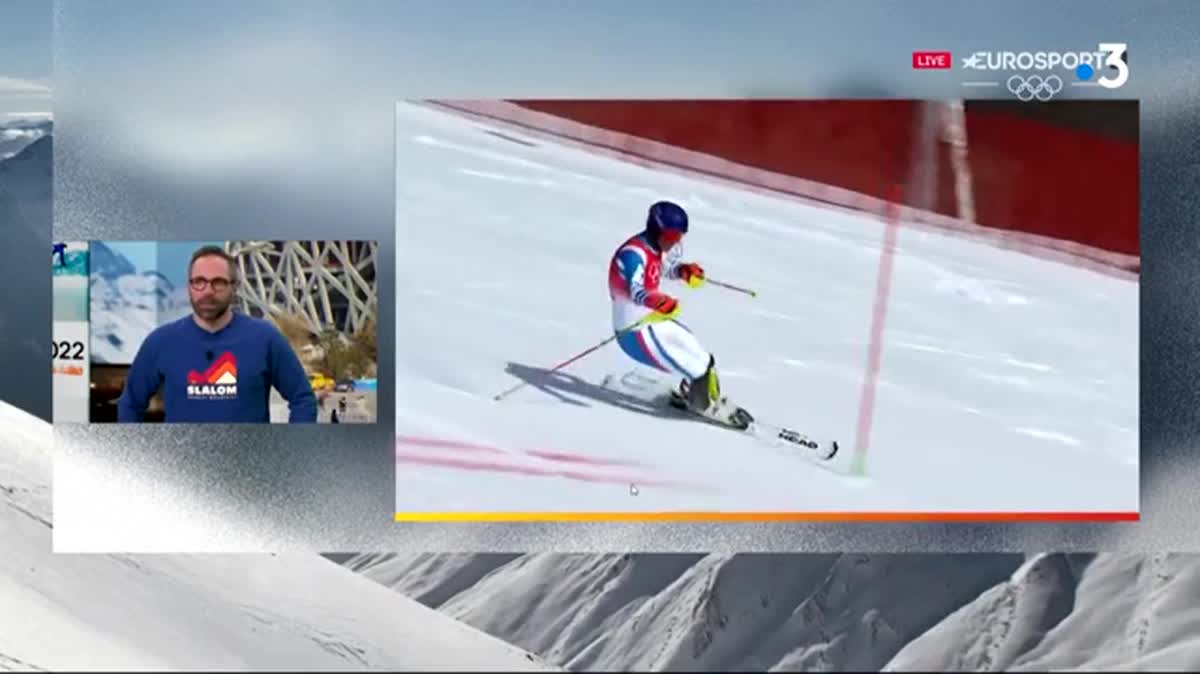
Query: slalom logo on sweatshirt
[218,382]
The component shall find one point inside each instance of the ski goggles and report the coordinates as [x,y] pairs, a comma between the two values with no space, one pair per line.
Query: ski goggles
[668,238]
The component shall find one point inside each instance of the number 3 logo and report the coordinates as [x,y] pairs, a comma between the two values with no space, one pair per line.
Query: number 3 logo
[1115,51]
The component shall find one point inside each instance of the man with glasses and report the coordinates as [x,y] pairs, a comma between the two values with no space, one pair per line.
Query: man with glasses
[216,365]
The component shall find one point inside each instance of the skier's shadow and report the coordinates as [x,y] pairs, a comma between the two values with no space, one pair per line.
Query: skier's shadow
[572,390]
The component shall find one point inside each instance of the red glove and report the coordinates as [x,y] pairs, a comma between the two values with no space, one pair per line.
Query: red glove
[664,305]
[692,274]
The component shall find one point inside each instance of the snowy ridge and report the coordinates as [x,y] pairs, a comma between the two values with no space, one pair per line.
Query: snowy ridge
[1106,612]
[126,305]
[666,612]
[1006,621]
[171,612]
[16,135]
[26,217]
[25,186]
[663,612]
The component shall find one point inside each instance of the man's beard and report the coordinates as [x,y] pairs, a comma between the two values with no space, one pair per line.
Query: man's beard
[210,310]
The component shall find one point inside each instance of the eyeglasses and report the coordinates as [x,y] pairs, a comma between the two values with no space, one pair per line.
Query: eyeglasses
[218,284]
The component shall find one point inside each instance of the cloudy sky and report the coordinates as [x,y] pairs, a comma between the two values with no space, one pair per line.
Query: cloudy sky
[25,58]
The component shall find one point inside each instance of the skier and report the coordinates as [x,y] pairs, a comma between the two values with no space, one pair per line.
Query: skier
[634,273]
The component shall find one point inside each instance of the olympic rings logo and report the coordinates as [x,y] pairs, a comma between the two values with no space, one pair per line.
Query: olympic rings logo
[1035,86]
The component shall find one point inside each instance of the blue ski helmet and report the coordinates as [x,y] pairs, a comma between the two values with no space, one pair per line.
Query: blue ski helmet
[666,216]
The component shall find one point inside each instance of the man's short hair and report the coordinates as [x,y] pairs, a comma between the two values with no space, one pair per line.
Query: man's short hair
[214,251]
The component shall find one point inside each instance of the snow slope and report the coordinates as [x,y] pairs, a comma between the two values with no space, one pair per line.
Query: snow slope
[903,612]
[666,612]
[1001,372]
[171,612]
[1114,613]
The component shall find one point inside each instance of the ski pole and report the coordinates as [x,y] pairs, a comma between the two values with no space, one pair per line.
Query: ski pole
[731,287]
[651,318]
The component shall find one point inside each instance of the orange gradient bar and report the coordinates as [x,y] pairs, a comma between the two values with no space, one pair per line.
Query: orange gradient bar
[768,517]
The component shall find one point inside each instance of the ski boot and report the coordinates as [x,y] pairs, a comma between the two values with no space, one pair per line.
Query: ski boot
[702,396]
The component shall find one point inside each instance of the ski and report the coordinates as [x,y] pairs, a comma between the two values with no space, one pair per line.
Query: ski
[739,419]
[820,453]
[817,452]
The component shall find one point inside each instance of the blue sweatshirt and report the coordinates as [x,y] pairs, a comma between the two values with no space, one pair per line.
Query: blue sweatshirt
[217,377]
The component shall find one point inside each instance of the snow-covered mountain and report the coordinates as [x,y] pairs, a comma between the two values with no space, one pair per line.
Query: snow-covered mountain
[1074,612]
[26,181]
[108,263]
[25,222]
[126,305]
[17,134]
[818,612]
[170,612]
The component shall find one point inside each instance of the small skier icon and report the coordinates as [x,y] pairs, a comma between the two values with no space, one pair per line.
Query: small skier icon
[60,249]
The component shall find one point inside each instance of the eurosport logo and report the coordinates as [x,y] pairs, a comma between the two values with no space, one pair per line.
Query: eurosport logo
[1107,67]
